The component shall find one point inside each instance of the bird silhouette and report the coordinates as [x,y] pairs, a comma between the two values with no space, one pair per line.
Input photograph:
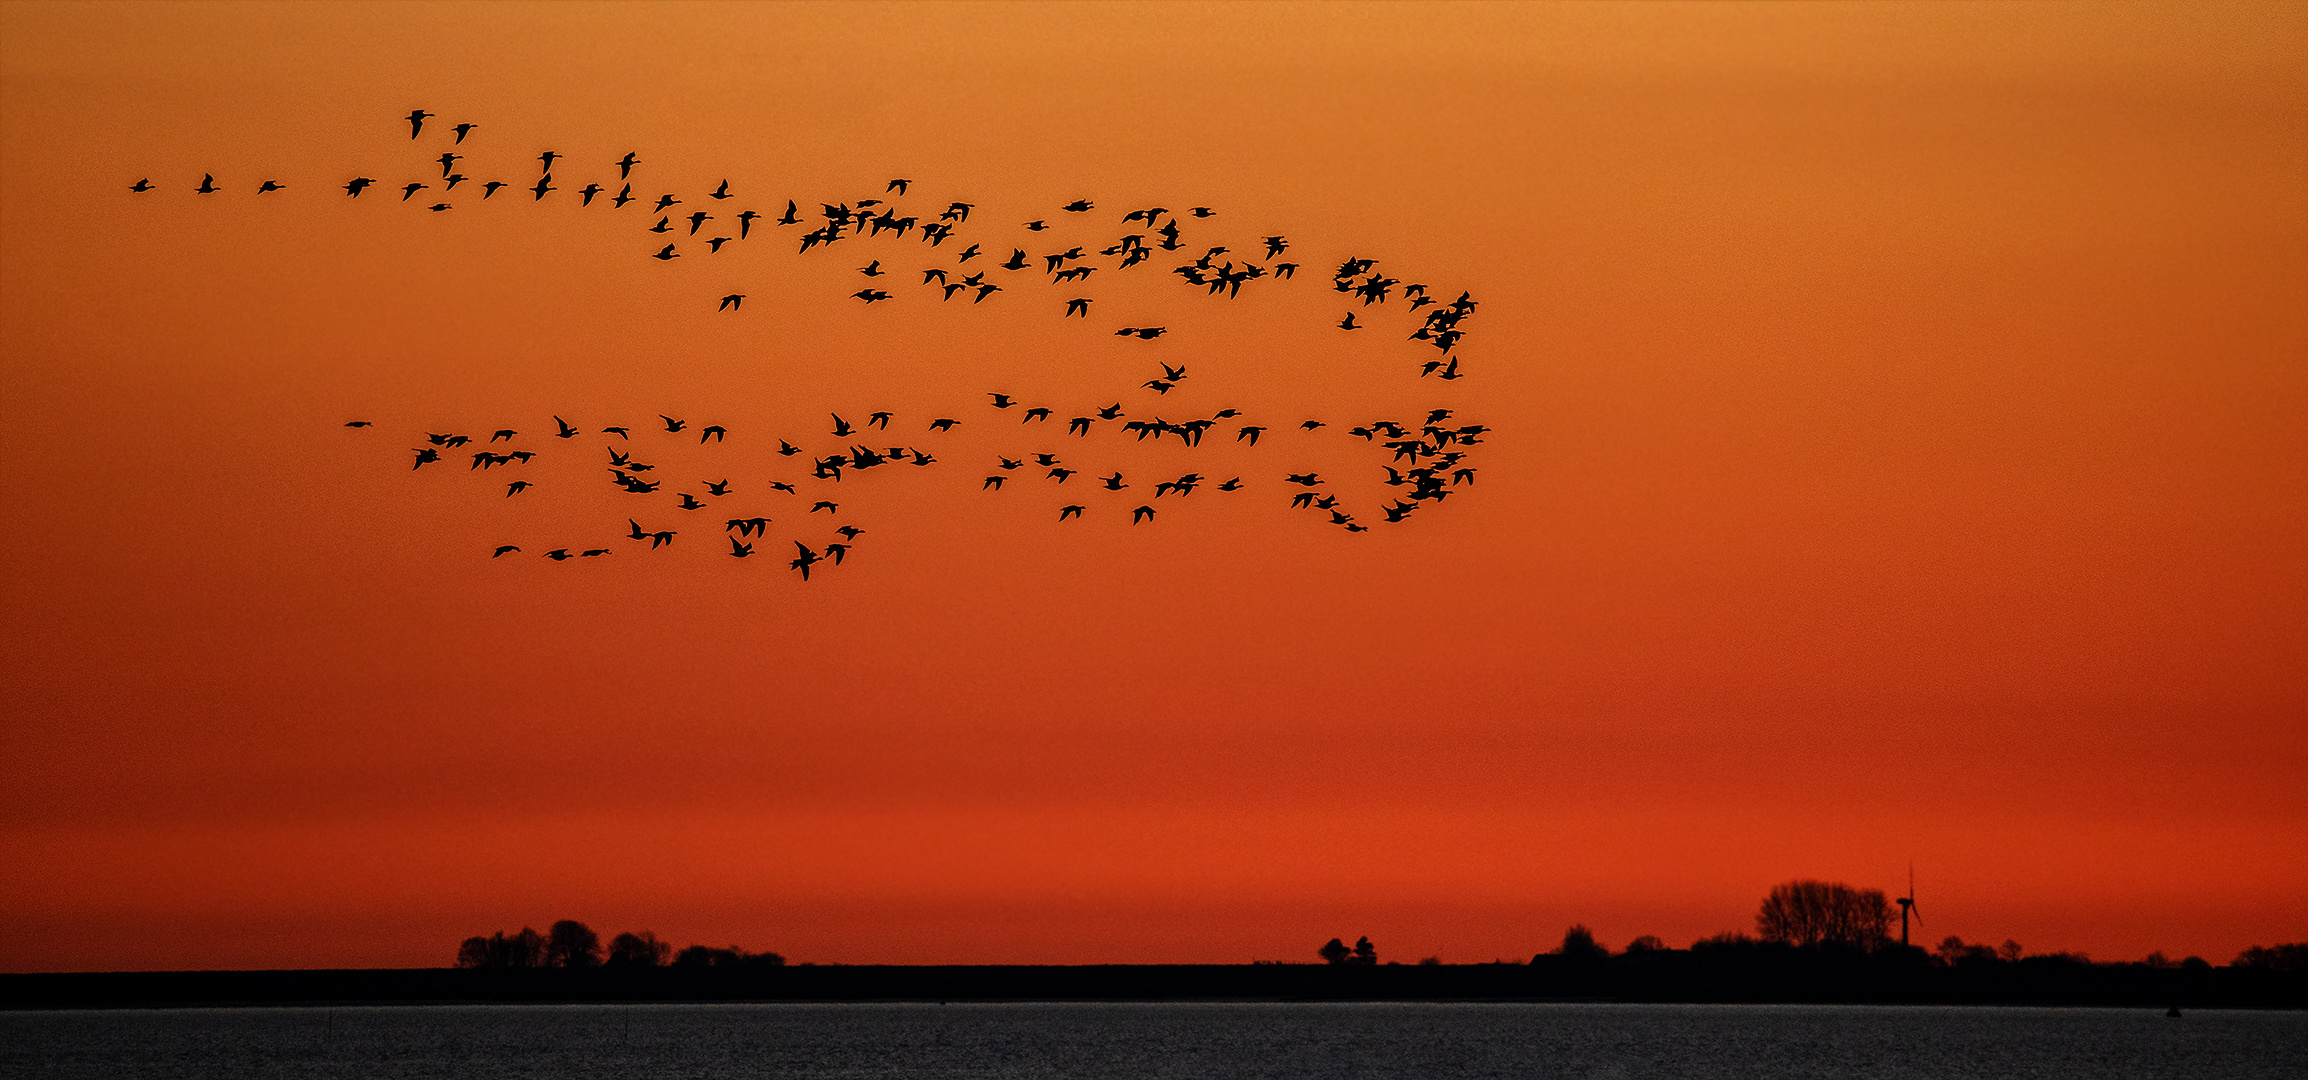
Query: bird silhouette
[805,560]
[558,554]
[1001,401]
[748,526]
[356,185]
[721,192]
[462,130]
[1073,511]
[585,194]
[1078,206]
[517,487]
[548,158]
[544,184]
[943,424]
[672,425]
[745,224]
[697,220]
[731,302]
[624,195]
[1250,434]
[715,432]
[1080,305]
[1348,323]
[790,217]
[1113,483]
[664,201]
[590,553]
[620,432]
[828,507]
[358,423]
[506,549]
[207,184]
[870,295]
[738,549]
[268,186]
[882,419]
[417,118]
[666,252]
[625,166]
[491,187]
[994,482]
[898,186]
[660,539]
[1142,513]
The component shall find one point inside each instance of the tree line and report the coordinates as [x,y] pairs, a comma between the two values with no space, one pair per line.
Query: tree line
[572,944]
[1825,916]
[1809,915]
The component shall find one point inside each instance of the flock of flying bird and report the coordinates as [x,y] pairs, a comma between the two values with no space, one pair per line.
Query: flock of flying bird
[1427,452]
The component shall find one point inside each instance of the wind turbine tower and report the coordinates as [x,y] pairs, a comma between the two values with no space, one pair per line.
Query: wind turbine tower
[1907,906]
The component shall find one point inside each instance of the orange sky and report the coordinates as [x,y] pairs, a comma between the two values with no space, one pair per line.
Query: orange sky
[1900,453]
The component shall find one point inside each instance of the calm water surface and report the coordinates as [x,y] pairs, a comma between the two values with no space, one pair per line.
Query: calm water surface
[1131,1041]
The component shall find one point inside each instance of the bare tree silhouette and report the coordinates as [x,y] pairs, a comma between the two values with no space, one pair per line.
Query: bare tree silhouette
[572,944]
[638,950]
[501,950]
[1819,912]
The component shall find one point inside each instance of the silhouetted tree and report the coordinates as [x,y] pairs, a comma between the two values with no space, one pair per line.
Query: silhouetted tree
[1334,952]
[708,956]
[638,950]
[1647,943]
[1816,912]
[2291,957]
[501,950]
[1953,951]
[1579,944]
[1364,952]
[572,944]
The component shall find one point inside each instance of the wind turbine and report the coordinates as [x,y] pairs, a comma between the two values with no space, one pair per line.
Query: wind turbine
[1907,906]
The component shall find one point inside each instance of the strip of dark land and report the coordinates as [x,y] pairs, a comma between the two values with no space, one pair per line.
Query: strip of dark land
[1665,977]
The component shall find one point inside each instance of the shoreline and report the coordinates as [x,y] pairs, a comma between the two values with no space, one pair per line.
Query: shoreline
[1799,981]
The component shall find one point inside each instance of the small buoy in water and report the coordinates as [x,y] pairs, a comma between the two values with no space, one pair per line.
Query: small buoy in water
[2173,1012]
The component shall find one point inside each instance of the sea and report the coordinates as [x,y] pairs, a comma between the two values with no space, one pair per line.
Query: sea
[1281,1041]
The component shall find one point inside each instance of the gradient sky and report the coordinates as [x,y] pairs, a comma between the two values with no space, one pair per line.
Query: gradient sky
[1900,455]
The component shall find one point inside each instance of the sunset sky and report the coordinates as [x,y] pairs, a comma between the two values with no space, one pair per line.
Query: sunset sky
[1898,454]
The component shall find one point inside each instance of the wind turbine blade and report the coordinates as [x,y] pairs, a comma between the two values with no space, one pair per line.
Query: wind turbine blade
[1911,906]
